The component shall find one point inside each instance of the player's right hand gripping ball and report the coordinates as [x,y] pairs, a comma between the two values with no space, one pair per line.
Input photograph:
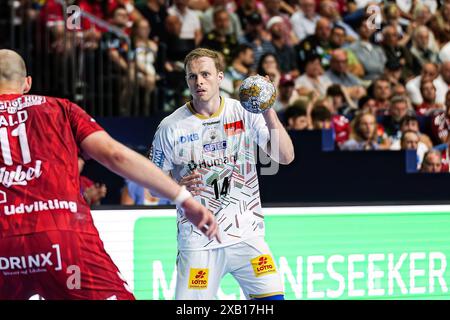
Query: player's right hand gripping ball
[257,94]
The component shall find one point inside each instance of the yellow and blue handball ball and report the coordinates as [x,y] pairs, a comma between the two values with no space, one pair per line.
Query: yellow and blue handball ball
[257,94]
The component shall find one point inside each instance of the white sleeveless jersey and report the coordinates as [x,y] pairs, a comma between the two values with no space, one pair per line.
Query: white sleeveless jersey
[222,149]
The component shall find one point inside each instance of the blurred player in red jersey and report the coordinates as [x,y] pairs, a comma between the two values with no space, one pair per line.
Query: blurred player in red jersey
[49,245]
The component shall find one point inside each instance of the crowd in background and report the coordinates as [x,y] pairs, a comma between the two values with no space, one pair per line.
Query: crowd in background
[375,72]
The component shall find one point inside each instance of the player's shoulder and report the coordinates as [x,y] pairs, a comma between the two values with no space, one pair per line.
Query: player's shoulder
[180,114]
[234,109]
[231,102]
[233,106]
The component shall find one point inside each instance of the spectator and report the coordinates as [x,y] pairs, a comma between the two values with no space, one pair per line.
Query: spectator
[422,15]
[218,39]
[339,74]
[146,51]
[119,61]
[364,133]
[412,123]
[304,19]
[269,66]
[337,41]
[255,37]
[286,93]
[240,68]
[402,26]
[397,110]
[400,90]
[341,112]
[341,104]
[368,104]
[272,8]
[445,72]
[429,105]
[410,141]
[430,72]
[382,92]
[92,192]
[245,12]
[329,9]
[444,54]
[396,52]
[440,23]
[190,22]
[296,117]
[155,12]
[52,16]
[393,72]
[313,83]
[284,51]
[432,162]
[316,44]
[320,117]
[371,56]
[99,9]
[233,28]
[440,123]
[177,49]
[424,49]
[134,194]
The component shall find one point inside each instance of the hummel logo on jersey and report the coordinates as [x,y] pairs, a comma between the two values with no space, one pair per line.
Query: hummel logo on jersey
[211,123]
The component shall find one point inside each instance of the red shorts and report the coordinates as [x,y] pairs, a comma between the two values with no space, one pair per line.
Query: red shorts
[59,265]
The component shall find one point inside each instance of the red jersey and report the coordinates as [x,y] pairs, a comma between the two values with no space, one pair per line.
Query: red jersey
[341,127]
[440,124]
[39,179]
[46,228]
[98,10]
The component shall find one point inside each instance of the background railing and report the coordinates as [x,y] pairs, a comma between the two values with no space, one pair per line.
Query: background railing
[65,62]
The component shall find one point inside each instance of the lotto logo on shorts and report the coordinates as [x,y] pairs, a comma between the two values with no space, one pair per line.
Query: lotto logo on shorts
[198,279]
[263,265]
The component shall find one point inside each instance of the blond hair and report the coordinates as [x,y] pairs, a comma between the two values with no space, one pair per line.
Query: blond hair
[356,131]
[203,52]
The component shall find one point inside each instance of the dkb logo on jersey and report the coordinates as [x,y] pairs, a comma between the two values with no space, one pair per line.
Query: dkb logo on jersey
[263,265]
[189,138]
[198,279]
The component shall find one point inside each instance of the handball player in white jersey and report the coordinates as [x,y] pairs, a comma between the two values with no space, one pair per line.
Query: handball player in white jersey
[208,146]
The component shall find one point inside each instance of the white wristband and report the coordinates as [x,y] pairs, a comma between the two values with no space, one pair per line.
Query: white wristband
[182,196]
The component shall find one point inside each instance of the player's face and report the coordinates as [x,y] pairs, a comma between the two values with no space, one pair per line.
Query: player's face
[203,79]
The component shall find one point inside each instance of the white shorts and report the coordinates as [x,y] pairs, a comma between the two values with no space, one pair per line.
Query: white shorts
[250,262]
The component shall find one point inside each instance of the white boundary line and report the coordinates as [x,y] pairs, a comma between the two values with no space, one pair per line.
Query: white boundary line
[347,210]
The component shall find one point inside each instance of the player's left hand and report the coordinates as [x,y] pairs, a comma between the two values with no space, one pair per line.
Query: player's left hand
[193,183]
